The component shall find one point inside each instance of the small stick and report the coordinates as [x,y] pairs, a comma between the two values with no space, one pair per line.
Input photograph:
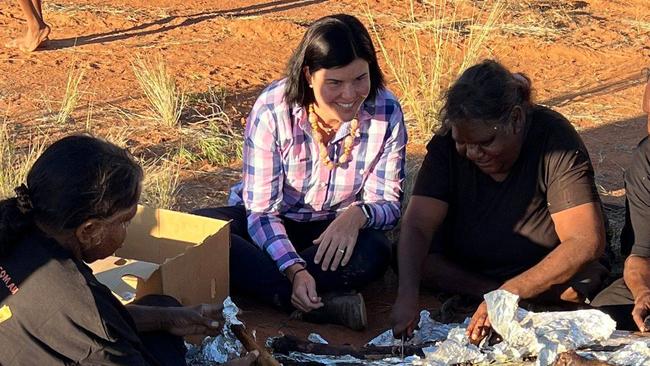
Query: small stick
[265,358]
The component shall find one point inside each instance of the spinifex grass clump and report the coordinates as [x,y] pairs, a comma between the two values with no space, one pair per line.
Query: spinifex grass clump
[432,48]
[220,147]
[160,185]
[71,96]
[14,162]
[220,143]
[166,100]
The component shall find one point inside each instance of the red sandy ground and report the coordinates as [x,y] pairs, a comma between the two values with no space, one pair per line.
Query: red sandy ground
[587,66]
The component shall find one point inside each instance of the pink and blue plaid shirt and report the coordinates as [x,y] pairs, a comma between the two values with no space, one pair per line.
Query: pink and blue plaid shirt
[283,175]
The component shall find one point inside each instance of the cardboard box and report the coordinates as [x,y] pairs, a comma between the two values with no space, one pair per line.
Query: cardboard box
[171,253]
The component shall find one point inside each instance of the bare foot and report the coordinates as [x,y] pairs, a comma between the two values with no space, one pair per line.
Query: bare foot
[31,40]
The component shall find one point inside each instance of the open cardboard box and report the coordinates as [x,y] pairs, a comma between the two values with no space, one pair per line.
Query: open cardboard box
[170,253]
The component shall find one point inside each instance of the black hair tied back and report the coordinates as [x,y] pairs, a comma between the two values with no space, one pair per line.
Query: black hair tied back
[486,92]
[15,220]
[75,179]
[24,203]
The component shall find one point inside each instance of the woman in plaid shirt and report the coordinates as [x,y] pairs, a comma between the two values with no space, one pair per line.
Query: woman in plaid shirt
[323,170]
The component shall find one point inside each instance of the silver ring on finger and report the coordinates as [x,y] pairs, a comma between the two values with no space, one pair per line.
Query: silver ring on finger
[342,251]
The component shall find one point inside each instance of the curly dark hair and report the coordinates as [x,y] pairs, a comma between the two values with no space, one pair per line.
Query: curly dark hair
[486,92]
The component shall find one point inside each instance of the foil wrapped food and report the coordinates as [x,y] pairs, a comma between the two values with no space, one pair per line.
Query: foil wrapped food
[526,336]
[222,348]
[428,330]
[543,335]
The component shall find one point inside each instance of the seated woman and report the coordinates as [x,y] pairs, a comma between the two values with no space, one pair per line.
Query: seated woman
[322,177]
[508,192]
[627,300]
[78,201]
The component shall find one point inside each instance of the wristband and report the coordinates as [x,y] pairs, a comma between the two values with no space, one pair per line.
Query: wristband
[367,213]
[296,272]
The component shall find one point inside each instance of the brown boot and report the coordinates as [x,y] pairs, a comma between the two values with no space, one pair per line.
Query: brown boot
[347,310]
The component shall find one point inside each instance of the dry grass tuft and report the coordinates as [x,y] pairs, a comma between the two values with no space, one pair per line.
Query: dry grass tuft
[433,47]
[117,135]
[220,143]
[71,96]
[165,97]
[15,162]
[161,183]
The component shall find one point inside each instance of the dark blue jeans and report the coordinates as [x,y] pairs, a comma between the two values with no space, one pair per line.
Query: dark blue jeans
[254,274]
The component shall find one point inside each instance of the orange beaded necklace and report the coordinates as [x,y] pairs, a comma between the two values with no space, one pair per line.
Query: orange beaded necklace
[322,149]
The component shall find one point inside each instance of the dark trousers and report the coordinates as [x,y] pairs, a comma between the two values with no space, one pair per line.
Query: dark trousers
[617,301]
[166,348]
[254,274]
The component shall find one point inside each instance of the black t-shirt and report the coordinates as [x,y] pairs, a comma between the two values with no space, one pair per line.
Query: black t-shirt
[500,229]
[637,191]
[55,312]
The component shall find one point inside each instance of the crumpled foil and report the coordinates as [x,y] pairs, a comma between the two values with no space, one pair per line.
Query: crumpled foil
[316,338]
[222,348]
[455,349]
[526,334]
[636,353]
[429,331]
[544,335]
[298,357]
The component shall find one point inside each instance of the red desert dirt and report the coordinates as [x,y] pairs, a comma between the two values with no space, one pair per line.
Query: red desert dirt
[585,59]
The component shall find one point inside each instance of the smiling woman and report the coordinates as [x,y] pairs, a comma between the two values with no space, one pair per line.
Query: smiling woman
[322,178]
[505,198]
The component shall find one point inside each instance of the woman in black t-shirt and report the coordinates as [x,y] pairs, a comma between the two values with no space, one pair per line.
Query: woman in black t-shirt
[79,198]
[508,190]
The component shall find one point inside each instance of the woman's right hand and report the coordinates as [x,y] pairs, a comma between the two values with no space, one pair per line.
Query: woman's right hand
[404,317]
[303,296]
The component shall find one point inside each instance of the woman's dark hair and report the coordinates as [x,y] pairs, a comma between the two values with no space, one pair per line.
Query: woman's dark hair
[75,179]
[330,42]
[485,92]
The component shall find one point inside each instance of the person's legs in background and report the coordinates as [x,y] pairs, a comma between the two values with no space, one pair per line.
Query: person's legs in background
[37,30]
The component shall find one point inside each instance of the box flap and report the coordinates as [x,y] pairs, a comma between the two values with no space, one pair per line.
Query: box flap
[175,231]
[111,271]
[201,273]
[186,256]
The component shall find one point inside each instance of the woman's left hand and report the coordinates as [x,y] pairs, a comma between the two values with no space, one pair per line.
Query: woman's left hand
[336,243]
[194,320]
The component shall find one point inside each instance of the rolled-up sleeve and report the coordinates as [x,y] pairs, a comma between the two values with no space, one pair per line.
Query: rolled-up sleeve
[262,190]
[383,189]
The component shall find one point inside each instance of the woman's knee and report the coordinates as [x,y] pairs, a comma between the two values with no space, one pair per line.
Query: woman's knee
[373,243]
[371,253]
